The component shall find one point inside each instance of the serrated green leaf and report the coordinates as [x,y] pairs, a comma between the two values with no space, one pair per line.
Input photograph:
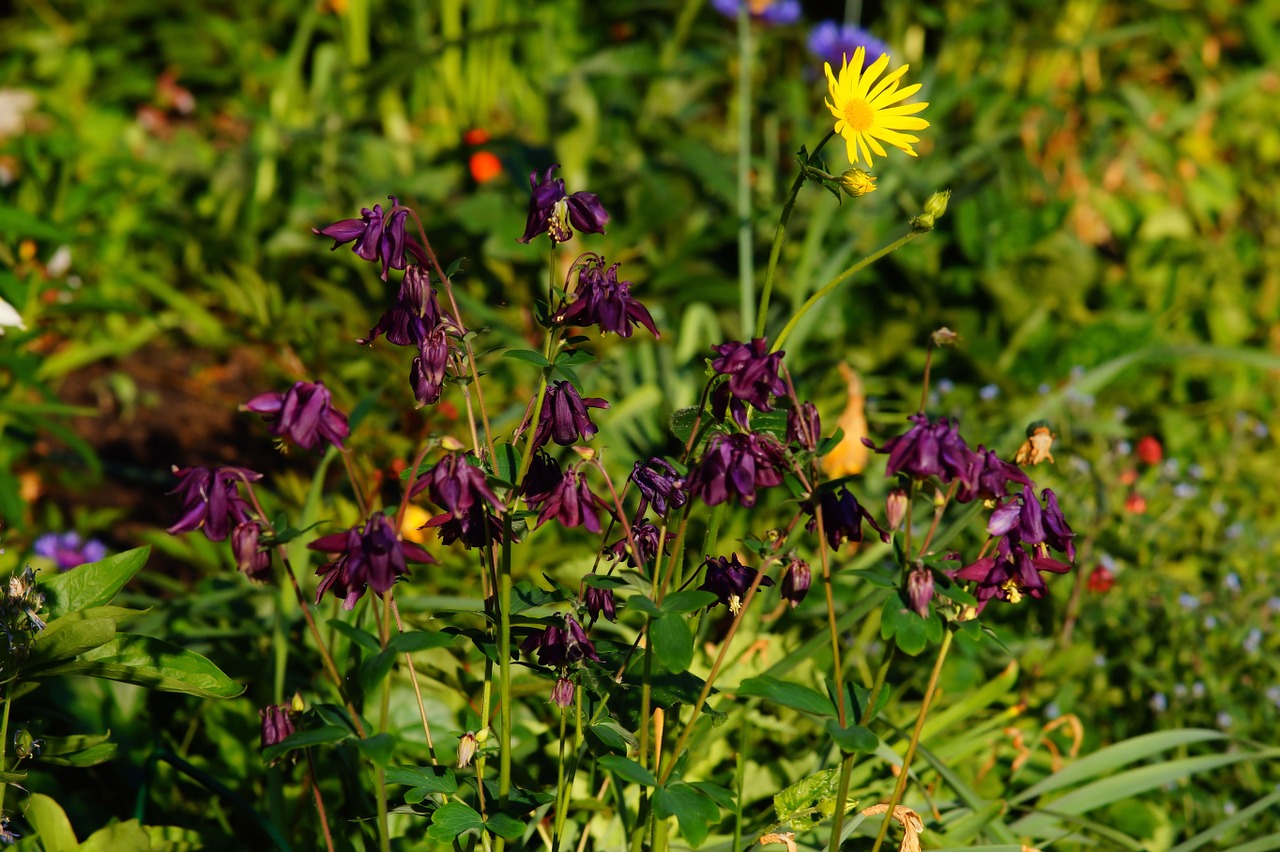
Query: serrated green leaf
[809,801]
[787,694]
[433,779]
[672,642]
[854,739]
[149,662]
[505,826]
[687,601]
[628,770]
[92,584]
[451,819]
[537,359]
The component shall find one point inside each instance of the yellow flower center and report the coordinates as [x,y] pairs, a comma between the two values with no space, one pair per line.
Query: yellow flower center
[858,114]
[1010,587]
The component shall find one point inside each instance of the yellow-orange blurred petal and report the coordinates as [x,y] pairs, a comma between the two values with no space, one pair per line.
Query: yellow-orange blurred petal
[850,455]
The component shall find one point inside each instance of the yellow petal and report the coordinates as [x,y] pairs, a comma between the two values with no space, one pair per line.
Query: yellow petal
[850,455]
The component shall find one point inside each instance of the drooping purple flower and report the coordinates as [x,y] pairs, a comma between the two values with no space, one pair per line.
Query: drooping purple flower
[602,300]
[564,418]
[660,485]
[832,42]
[571,502]
[988,477]
[796,582]
[600,602]
[772,12]
[211,500]
[426,374]
[927,449]
[375,236]
[842,516]
[920,590]
[737,465]
[753,379]
[461,490]
[553,211]
[304,413]
[562,692]
[804,427]
[540,480]
[728,579]
[1011,573]
[67,550]
[559,646]
[414,313]
[277,724]
[646,537]
[255,563]
[1058,534]
[370,555]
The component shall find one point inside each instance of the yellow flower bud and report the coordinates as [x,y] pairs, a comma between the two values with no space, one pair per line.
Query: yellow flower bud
[857,183]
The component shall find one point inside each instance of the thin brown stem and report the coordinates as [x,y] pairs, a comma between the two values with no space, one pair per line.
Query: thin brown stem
[315,793]
[413,678]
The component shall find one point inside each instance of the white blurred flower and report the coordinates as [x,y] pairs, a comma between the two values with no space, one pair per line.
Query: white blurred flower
[9,317]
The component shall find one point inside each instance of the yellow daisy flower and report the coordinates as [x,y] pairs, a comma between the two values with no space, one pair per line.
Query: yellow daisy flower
[865,110]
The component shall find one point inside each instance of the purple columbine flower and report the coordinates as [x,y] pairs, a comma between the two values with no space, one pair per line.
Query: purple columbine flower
[728,579]
[303,413]
[211,500]
[737,465]
[832,42]
[376,237]
[542,478]
[772,12]
[602,300]
[660,485]
[560,646]
[1058,534]
[646,537]
[988,477]
[371,555]
[571,502]
[67,550]
[564,418]
[927,449]
[842,516]
[562,692]
[414,313]
[1011,573]
[553,211]
[599,602]
[920,590]
[277,724]
[461,490]
[255,563]
[753,379]
[804,427]
[426,375]
[796,582]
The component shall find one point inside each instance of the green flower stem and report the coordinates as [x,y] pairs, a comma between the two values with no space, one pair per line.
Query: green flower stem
[780,235]
[413,678]
[504,673]
[746,265]
[562,795]
[384,824]
[4,737]
[901,786]
[837,281]
[846,765]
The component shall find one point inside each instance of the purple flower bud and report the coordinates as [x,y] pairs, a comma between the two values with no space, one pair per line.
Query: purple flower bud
[414,313]
[804,429]
[571,503]
[753,379]
[1058,534]
[211,500]
[426,375]
[376,238]
[602,300]
[896,503]
[728,579]
[67,551]
[927,449]
[562,692]
[303,413]
[737,465]
[371,555]
[277,724]
[255,563]
[920,590]
[600,602]
[660,485]
[646,537]
[564,417]
[842,516]
[796,582]
[551,210]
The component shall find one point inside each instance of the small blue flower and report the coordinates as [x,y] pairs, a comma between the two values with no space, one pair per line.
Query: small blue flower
[1159,702]
[833,43]
[1231,582]
[1224,720]
[988,392]
[1253,642]
[1188,601]
[765,11]
[67,551]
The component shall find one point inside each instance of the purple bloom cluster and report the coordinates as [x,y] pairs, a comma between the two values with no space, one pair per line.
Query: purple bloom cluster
[416,311]
[460,488]
[560,646]
[564,418]
[370,555]
[555,212]
[304,413]
[211,500]
[773,12]
[251,559]
[600,602]
[68,551]
[660,484]
[376,237]
[832,43]
[602,300]
[926,449]
[569,501]
[646,537]
[753,379]
[842,516]
[728,579]
[736,466]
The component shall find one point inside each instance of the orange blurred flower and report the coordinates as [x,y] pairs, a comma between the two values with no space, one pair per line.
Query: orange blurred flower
[1150,451]
[485,166]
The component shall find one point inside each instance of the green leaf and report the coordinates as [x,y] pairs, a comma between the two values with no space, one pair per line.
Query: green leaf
[127,836]
[363,638]
[81,750]
[50,822]
[378,748]
[17,223]
[92,584]
[809,801]
[614,735]
[604,581]
[433,779]
[525,596]
[643,604]
[452,819]
[672,642]
[375,669]
[1226,825]
[681,423]
[507,463]
[68,637]
[537,359]
[505,826]
[419,640]
[693,808]
[689,601]
[305,739]
[787,694]
[11,777]
[628,770]
[152,663]
[903,626]
[854,739]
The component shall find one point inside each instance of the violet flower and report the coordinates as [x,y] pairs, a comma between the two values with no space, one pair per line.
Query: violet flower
[988,477]
[460,488]
[371,555]
[602,300]
[660,486]
[255,563]
[842,516]
[804,427]
[646,537]
[277,724]
[571,502]
[375,236]
[728,579]
[920,590]
[560,646]
[927,449]
[600,602]
[553,211]
[426,374]
[1011,573]
[542,478]
[415,312]
[211,500]
[772,12]
[736,466]
[753,379]
[796,582]
[67,550]
[564,418]
[304,413]
[832,43]
[1058,534]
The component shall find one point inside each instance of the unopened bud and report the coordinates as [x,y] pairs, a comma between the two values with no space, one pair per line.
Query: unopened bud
[466,749]
[585,453]
[895,508]
[944,337]
[451,443]
[857,183]
[920,590]
[562,692]
[936,206]
[297,705]
[796,582]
